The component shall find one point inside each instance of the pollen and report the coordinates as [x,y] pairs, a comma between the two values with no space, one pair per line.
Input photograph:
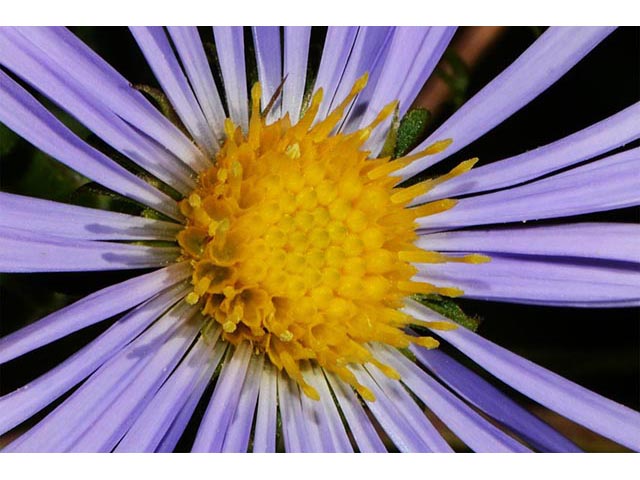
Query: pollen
[302,245]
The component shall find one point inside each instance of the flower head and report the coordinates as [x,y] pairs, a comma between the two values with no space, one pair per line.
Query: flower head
[300,266]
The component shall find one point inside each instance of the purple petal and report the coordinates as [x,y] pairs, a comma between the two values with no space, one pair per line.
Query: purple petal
[177,428]
[296,439]
[412,55]
[80,223]
[152,424]
[603,416]
[335,53]
[604,136]
[551,56]
[369,46]
[37,394]
[230,48]
[359,424]
[480,393]
[540,280]
[428,56]
[105,431]
[29,252]
[67,53]
[406,405]
[147,431]
[410,431]
[604,185]
[194,59]
[23,114]
[264,436]
[476,432]
[224,401]
[156,49]
[237,438]
[607,241]
[269,61]
[90,310]
[32,64]
[59,430]
[385,82]
[296,51]
[325,430]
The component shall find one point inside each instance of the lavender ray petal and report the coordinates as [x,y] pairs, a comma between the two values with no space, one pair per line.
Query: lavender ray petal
[335,53]
[23,114]
[476,432]
[92,309]
[31,64]
[224,401]
[269,62]
[551,56]
[404,73]
[358,422]
[194,59]
[539,280]
[405,404]
[59,430]
[603,416]
[264,435]
[103,434]
[67,53]
[155,47]
[37,394]
[296,51]
[607,241]
[71,221]
[178,426]
[22,251]
[605,185]
[484,396]
[322,419]
[390,414]
[239,431]
[146,433]
[428,56]
[368,48]
[296,439]
[230,48]
[602,137]
[385,83]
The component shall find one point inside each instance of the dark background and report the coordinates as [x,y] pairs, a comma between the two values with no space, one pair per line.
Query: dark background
[599,349]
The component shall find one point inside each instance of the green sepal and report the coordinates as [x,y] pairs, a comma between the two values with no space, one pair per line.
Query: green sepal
[449,309]
[411,130]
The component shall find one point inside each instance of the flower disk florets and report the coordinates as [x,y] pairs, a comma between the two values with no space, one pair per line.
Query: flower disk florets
[301,245]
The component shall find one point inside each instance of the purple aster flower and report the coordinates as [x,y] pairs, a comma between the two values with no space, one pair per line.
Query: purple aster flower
[290,262]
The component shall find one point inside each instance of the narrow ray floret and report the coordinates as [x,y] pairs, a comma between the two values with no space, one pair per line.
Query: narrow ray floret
[302,246]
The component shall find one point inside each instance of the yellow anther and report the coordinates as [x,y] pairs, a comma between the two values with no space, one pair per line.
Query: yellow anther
[293,151]
[194,200]
[286,336]
[192,298]
[229,326]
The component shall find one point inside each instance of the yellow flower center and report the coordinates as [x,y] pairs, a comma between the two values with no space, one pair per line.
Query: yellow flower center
[301,245]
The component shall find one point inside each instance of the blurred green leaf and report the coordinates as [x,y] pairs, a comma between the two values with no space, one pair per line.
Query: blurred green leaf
[8,140]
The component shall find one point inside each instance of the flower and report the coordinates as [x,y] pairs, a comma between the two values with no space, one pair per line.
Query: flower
[336,360]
